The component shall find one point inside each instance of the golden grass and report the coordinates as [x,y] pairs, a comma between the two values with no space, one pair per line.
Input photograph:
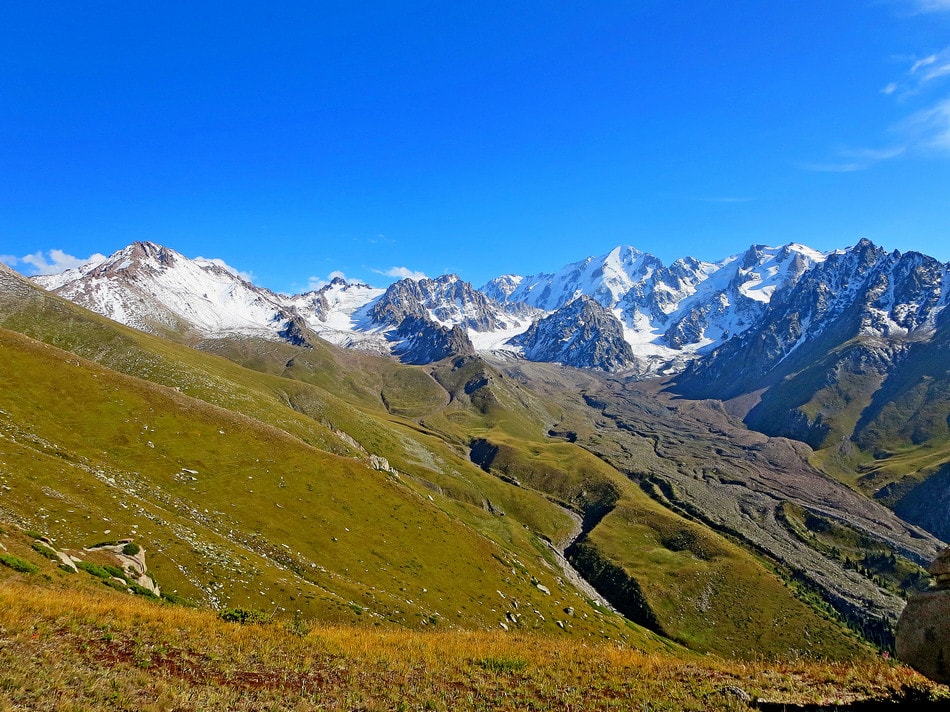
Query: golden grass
[71,650]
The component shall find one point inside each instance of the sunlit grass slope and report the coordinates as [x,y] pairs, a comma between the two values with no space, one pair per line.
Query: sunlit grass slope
[69,648]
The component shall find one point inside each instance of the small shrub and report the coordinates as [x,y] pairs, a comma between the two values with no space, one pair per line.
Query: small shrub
[502,665]
[93,569]
[243,616]
[297,626]
[131,549]
[32,533]
[41,548]
[116,571]
[18,564]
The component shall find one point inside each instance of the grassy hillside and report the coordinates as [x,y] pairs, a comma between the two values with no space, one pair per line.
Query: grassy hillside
[69,646]
[257,481]
[257,491]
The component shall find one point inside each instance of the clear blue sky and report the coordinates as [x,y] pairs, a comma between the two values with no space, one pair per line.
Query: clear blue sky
[296,139]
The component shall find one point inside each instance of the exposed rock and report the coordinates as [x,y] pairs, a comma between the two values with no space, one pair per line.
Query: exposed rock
[446,299]
[422,341]
[923,631]
[582,334]
[381,464]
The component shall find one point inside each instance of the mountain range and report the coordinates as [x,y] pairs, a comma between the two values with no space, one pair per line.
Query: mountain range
[814,346]
[761,433]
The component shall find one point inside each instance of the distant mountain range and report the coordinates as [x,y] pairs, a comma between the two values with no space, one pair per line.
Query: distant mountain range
[652,320]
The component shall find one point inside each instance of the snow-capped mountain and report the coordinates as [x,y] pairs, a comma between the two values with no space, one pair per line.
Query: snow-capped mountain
[156,289]
[892,300]
[670,313]
[153,288]
[649,318]
[582,333]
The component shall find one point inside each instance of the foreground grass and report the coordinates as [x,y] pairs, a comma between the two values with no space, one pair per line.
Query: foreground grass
[71,650]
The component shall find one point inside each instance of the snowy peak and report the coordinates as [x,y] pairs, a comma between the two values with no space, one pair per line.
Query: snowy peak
[666,317]
[152,287]
[606,278]
[501,288]
[335,308]
[853,294]
[446,301]
[730,296]
[670,313]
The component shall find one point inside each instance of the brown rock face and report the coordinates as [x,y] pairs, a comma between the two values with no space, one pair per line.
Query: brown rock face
[923,631]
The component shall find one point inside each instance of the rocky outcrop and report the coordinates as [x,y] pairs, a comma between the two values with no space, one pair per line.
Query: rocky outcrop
[423,341]
[582,334]
[923,631]
[446,299]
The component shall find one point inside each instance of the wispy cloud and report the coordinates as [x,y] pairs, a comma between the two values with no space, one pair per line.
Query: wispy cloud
[402,273]
[49,262]
[929,129]
[856,159]
[931,5]
[927,69]
[924,132]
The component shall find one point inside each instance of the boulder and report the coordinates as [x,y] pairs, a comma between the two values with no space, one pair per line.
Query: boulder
[923,631]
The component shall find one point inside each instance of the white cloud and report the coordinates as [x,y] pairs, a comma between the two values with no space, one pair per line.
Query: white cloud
[848,167]
[856,159]
[9,260]
[925,132]
[931,67]
[925,62]
[54,261]
[402,273]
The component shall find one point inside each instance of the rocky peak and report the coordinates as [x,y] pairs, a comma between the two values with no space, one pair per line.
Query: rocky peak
[446,300]
[420,341]
[582,334]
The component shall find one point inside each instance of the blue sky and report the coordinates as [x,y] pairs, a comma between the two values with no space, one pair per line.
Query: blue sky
[296,140]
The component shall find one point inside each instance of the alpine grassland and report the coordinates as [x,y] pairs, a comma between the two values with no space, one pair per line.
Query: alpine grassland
[241,524]
[68,648]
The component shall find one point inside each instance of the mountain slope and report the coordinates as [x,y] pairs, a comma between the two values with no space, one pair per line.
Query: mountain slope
[236,507]
[852,360]
[438,523]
